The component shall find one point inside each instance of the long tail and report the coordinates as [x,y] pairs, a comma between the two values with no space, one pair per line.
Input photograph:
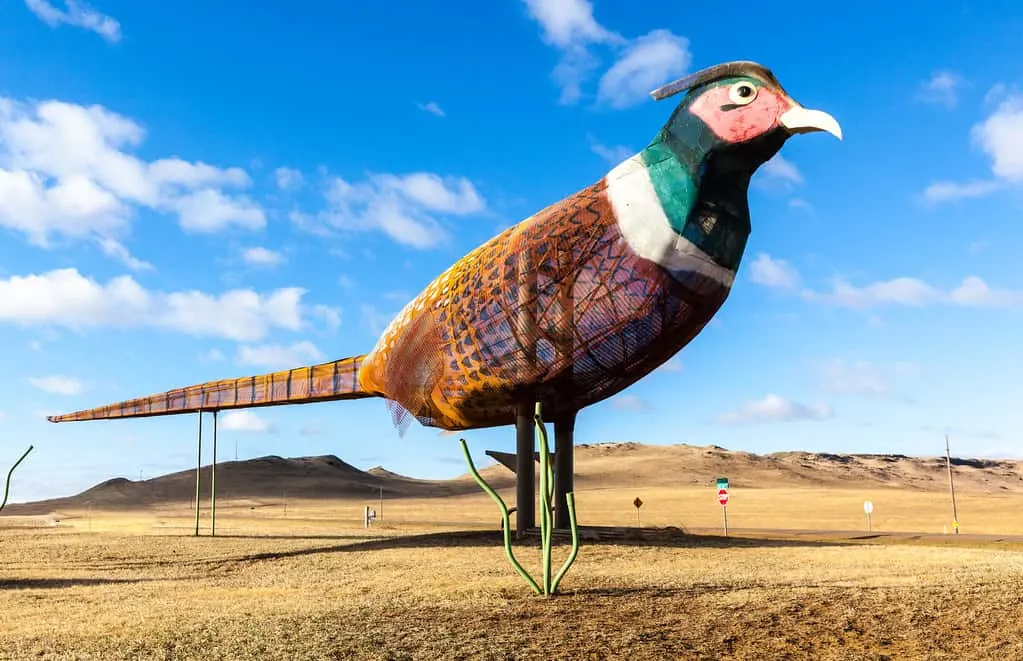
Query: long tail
[335,380]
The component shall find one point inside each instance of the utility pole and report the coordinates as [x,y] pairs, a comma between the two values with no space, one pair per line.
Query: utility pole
[951,487]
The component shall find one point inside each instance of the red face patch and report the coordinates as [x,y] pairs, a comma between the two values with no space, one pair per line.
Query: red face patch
[732,122]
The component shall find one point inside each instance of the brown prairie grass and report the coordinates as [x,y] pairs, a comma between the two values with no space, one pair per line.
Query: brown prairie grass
[696,508]
[141,587]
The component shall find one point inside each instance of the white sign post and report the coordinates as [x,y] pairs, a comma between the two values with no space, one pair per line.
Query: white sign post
[868,507]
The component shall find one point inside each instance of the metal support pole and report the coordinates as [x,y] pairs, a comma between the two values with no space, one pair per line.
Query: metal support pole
[951,488]
[198,468]
[213,481]
[525,484]
[564,467]
[525,429]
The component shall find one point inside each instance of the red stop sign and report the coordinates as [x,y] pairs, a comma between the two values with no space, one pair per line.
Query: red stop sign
[723,496]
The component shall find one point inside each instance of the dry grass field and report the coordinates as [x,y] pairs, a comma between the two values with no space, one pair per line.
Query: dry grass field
[297,577]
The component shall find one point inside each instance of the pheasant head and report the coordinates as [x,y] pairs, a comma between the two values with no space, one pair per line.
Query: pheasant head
[735,116]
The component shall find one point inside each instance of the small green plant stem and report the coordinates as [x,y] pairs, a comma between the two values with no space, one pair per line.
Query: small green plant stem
[505,517]
[7,486]
[570,501]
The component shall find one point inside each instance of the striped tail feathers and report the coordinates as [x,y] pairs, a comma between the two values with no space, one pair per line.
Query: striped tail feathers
[335,380]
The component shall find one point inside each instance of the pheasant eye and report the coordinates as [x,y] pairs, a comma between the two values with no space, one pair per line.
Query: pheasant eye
[742,93]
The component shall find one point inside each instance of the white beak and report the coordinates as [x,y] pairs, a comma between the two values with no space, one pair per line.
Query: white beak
[801,120]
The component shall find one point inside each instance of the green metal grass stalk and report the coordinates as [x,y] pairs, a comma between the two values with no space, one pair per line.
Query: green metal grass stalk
[570,501]
[549,582]
[7,486]
[546,497]
[506,519]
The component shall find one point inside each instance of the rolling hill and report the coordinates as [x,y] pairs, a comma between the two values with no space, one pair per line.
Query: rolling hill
[604,465]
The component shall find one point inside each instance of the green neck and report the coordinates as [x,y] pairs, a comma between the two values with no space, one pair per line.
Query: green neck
[703,203]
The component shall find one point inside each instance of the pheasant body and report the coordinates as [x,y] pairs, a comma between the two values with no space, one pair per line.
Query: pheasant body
[576,302]
[585,297]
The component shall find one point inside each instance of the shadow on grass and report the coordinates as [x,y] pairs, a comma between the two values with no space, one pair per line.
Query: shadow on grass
[338,537]
[56,583]
[477,538]
[701,589]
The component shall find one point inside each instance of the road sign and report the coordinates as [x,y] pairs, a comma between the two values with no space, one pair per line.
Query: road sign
[638,503]
[722,483]
[723,496]
[868,506]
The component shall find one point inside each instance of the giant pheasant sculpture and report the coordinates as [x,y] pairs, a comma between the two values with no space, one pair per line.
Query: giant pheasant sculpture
[574,303]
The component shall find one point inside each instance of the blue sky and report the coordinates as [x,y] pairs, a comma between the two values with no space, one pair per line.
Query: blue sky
[188,192]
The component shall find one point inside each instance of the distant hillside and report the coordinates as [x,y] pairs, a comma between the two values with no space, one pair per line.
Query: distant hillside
[603,465]
[622,464]
[262,478]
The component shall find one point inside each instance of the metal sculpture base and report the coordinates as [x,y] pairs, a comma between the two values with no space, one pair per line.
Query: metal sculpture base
[550,582]
[525,485]
[7,485]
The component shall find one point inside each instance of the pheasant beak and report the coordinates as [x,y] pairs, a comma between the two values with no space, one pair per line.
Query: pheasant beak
[801,120]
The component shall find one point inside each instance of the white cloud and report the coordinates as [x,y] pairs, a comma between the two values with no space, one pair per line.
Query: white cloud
[941,88]
[174,171]
[401,206]
[947,191]
[641,65]
[67,170]
[773,273]
[58,385]
[77,14]
[278,356]
[774,408]
[114,248]
[629,403]
[569,26]
[779,172]
[64,297]
[1000,136]
[457,195]
[800,203]
[73,206]
[673,364]
[288,179]
[646,63]
[613,155]
[567,23]
[243,421]
[914,292]
[432,108]
[330,315]
[374,320]
[211,356]
[259,256]
[858,378]
[210,210]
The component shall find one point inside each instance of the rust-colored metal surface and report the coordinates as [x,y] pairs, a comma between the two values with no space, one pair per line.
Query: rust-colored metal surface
[324,382]
[574,303]
[557,308]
